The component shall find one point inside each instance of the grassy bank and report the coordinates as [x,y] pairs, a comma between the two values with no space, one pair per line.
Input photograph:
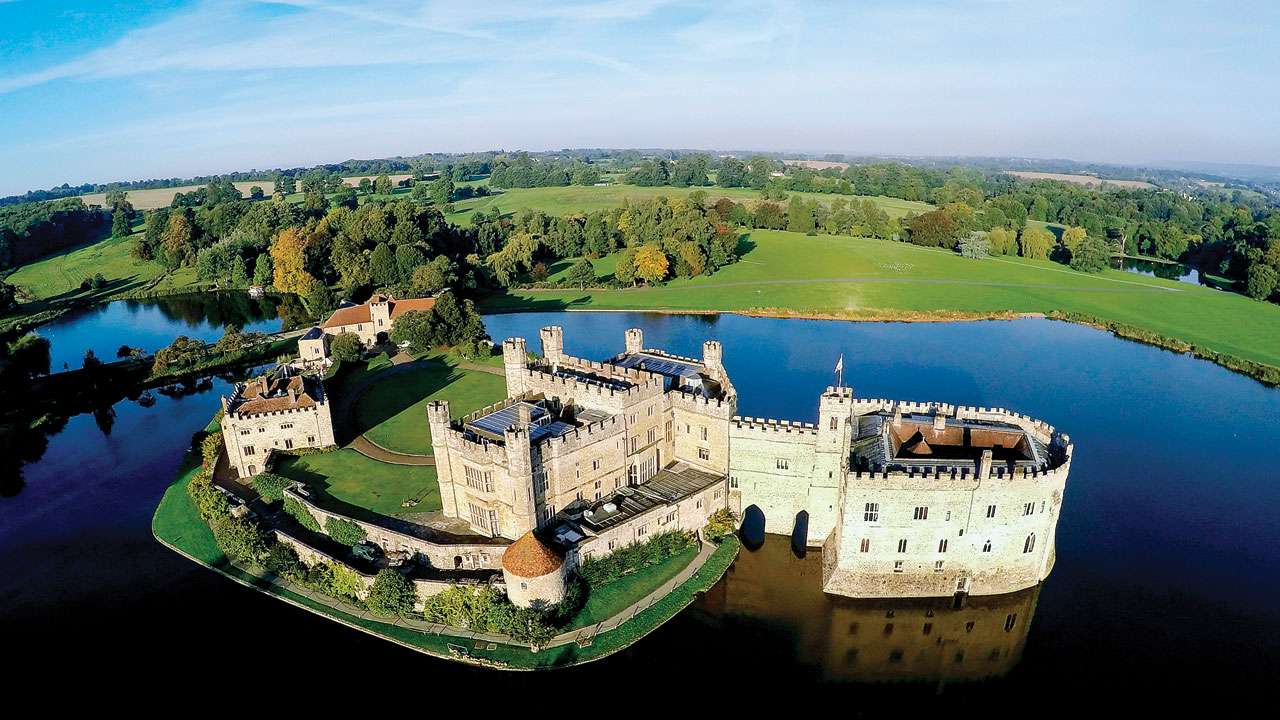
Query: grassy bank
[348,482]
[177,525]
[851,277]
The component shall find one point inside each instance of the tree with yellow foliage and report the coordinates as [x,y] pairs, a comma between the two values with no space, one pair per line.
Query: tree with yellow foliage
[1073,237]
[289,260]
[651,264]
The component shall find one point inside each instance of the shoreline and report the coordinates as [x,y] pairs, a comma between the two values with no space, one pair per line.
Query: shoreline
[1268,375]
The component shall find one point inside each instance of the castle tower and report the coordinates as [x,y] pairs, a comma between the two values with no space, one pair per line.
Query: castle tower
[552,344]
[713,358]
[520,476]
[831,460]
[514,357]
[533,572]
[380,313]
[438,420]
[634,340]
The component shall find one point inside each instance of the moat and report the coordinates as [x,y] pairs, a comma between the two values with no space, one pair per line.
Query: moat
[1165,552]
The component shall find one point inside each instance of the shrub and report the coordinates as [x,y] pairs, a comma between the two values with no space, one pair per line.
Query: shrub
[283,561]
[390,594]
[210,449]
[1262,281]
[484,610]
[345,582]
[209,501]
[974,247]
[271,486]
[623,561]
[1090,255]
[720,525]
[301,514]
[318,577]
[239,538]
[344,531]
[581,275]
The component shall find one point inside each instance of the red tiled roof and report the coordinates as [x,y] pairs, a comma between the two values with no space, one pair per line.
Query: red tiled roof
[403,306]
[528,557]
[348,316]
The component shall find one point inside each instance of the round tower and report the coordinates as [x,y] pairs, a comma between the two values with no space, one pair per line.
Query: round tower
[535,574]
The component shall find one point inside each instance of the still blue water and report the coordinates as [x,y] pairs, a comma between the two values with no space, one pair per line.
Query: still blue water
[1167,563]
[153,324]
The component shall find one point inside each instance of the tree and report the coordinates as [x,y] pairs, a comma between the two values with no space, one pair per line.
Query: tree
[262,273]
[1091,255]
[651,264]
[800,217]
[580,275]
[285,185]
[732,173]
[1002,241]
[1073,237]
[1262,281]
[390,594]
[121,223]
[178,240]
[624,271]
[975,247]
[382,185]
[30,354]
[382,266]
[347,346]
[415,328]
[1035,243]
[366,186]
[442,191]
[288,260]
[8,296]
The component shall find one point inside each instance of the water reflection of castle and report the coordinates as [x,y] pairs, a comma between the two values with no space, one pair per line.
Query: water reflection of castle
[872,640]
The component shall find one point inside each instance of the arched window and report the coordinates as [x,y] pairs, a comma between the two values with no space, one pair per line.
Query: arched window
[986,547]
[1030,543]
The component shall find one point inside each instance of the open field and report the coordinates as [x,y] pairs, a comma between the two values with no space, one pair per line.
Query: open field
[153,198]
[394,414]
[355,485]
[562,200]
[1087,180]
[817,164]
[878,279]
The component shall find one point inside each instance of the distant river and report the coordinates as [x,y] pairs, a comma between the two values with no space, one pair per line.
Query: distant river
[1168,556]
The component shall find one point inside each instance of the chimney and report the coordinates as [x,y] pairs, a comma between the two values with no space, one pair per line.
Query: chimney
[984,464]
[897,417]
[293,395]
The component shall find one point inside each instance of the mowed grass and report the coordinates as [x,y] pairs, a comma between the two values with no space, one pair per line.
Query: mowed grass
[153,198]
[609,600]
[565,200]
[863,277]
[393,413]
[355,485]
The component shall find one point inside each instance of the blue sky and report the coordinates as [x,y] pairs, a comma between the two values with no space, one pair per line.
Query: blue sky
[99,91]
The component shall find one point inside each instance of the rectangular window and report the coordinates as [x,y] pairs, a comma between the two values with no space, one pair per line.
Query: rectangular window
[246,431]
[288,443]
[311,439]
[286,426]
[733,482]
[595,464]
[942,545]
[642,530]
[902,545]
[248,450]
[1028,508]
[865,545]
[704,454]
[653,434]
[704,432]
[479,517]
[481,480]
[937,566]
[922,513]
[699,503]
[991,511]
[871,512]
[783,464]
[493,522]
[897,566]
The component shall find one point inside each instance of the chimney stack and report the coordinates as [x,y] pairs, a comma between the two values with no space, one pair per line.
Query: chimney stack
[525,415]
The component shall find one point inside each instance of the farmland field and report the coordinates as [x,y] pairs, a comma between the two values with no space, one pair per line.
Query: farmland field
[1087,180]
[561,200]
[153,198]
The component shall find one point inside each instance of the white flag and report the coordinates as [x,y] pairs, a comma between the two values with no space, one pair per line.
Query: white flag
[840,363]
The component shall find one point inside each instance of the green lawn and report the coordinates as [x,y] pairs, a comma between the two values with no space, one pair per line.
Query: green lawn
[609,600]
[354,485]
[859,277]
[563,200]
[393,413]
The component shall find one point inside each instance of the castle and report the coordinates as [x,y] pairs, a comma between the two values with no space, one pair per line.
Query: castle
[906,499]
[371,321]
[281,410]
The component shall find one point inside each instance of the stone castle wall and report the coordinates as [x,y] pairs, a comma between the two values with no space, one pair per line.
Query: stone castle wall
[250,438]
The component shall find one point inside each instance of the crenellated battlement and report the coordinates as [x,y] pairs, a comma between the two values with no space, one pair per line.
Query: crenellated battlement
[1041,429]
[722,408]
[579,437]
[771,425]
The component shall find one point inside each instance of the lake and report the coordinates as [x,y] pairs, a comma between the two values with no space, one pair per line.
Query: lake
[1166,576]
[154,323]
